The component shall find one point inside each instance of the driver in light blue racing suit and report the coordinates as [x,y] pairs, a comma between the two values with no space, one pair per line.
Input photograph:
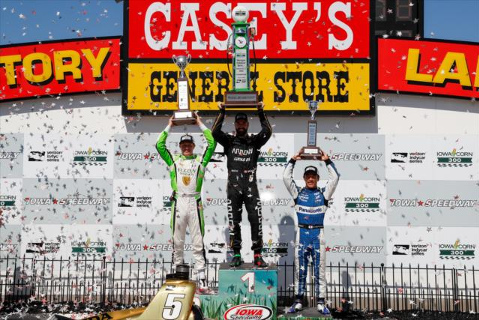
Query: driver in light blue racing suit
[311,204]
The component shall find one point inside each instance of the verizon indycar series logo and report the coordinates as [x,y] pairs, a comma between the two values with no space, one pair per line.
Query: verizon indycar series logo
[130,156]
[361,204]
[410,249]
[408,157]
[45,156]
[248,312]
[454,158]
[42,247]
[438,203]
[356,156]
[272,158]
[90,157]
[457,251]
[138,202]
[354,249]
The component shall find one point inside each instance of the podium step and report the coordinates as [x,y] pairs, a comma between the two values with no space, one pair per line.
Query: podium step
[254,288]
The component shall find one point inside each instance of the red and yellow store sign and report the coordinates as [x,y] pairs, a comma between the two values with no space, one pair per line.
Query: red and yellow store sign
[59,67]
[302,48]
[428,67]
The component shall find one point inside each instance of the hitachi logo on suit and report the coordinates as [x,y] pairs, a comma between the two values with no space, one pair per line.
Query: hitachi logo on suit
[356,156]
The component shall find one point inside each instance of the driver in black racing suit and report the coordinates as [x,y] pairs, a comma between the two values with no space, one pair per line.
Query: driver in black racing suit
[242,151]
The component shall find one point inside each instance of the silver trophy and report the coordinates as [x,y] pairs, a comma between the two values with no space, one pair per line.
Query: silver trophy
[311,151]
[184,115]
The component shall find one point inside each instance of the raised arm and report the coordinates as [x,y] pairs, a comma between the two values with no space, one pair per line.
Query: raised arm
[209,140]
[161,145]
[332,183]
[288,177]
[218,134]
[263,136]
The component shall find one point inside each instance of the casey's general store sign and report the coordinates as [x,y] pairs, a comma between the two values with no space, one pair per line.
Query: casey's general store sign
[59,67]
[303,49]
[428,67]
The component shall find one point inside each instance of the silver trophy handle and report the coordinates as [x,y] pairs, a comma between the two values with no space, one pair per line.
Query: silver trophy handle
[175,59]
[188,58]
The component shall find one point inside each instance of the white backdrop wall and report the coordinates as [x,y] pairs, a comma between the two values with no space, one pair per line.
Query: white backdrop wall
[403,195]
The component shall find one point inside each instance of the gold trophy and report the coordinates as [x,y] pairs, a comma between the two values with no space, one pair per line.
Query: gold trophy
[311,151]
[184,115]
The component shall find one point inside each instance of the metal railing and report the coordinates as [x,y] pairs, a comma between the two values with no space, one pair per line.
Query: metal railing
[366,287]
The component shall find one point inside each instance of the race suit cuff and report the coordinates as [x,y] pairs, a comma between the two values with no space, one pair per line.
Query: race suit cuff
[202,127]
[328,161]
[293,161]
[167,129]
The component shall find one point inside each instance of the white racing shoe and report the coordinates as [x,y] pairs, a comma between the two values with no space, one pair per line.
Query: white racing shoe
[297,306]
[323,309]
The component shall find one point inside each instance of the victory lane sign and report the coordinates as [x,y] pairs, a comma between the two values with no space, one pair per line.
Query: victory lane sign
[304,50]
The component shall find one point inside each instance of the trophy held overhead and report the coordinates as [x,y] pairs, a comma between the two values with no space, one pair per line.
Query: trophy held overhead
[184,115]
[311,151]
[242,96]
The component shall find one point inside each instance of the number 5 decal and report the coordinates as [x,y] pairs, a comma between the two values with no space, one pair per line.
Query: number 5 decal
[172,308]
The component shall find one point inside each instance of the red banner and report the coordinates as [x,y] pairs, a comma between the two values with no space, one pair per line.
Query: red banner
[59,67]
[429,67]
[288,29]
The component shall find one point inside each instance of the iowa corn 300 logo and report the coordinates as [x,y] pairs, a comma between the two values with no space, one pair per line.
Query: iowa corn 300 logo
[454,158]
[457,251]
[272,158]
[361,204]
[90,157]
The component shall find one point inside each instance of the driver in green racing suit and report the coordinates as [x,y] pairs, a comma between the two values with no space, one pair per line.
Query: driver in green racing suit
[187,171]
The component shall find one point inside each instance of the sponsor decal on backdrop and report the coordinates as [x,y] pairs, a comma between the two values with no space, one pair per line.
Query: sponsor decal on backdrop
[248,312]
[410,249]
[66,201]
[42,247]
[8,155]
[59,67]
[273,158]
[7,201]
[361,204]
[454,158]
[47,156]
[88,247]
[439,203]
[138,202]
[264,201]
[275,249]
[90,157]
[129,156]
[138,247]
[8,247]
[408,157]
[354,249]
[457,251]
[215,247]
[167,202]
[344,156]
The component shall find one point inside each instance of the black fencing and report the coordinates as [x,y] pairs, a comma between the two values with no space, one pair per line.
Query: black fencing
[366,287]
